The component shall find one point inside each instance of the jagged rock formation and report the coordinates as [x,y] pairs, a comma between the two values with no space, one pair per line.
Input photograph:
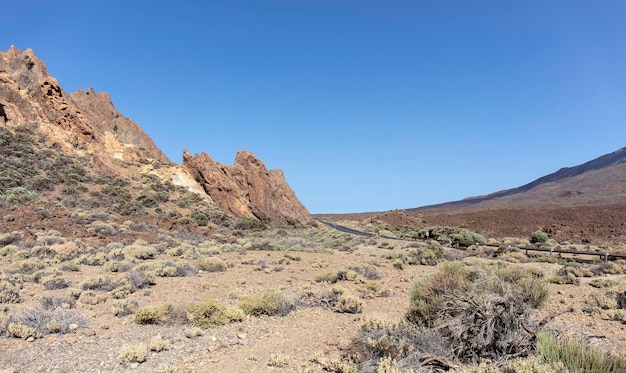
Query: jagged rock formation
[87,124]
[84,121]
[30,96]
[247,188]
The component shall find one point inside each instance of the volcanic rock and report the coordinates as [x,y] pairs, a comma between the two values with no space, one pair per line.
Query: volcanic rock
[84,120]
[247,188]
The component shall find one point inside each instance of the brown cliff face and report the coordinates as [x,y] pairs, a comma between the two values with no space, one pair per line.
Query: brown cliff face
[247,188]
[85,121]
[98,108]
[30,96]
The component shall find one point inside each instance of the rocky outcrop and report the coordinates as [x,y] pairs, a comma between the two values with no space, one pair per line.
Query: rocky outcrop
[87,122]
[98,108]
[83,120]
[30,96]
[247,188]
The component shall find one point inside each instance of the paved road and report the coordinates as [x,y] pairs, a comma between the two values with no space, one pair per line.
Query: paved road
[603,256]
[341,228]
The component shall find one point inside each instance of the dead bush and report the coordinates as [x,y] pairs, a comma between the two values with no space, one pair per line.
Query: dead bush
[53,317]
[481,313]
[99,284]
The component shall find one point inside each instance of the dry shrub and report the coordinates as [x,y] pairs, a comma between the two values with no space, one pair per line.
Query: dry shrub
[133,353]
[99,284]
[211,264]
[336,299]
[481,313]
[153,315]
[210,313]
[139,280]
[268,303]
[278,360]
[464,314]
[54,282]
[158,344]
[124,307]
[347,303]
[9,292]
[613,297]
[382,341]
[330,277]
[166,269]
[53,316]
[369,272]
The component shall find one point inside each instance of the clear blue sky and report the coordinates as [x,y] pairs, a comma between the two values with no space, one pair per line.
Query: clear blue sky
[365,105]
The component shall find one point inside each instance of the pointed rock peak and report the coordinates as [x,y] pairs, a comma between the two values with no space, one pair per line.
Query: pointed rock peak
[247,188]
[26,62]
[245,158]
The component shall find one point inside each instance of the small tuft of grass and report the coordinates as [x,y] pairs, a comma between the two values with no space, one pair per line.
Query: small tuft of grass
[577,356]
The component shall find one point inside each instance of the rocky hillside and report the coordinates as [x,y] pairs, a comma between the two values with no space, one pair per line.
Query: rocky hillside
[585,203]
[81,122]
[601,181]
[86,127]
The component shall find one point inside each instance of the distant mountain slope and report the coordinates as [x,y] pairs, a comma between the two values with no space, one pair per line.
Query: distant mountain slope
[601,181]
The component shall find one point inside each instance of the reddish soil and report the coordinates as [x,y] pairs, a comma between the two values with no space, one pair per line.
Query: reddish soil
[601,225]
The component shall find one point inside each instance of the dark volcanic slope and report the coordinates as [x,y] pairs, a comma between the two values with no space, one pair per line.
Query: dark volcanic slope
[601,181]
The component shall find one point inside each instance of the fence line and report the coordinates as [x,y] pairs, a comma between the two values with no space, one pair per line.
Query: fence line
[603,256]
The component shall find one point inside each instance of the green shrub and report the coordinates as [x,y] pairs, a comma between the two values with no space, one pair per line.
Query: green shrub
[467,238]
[153,315]
[577,356]
[200,218]
[211,264]
[139,251]
[538,237]
[269,303]
[210,313]
[19,196]
[330,277]
[250,224]
[427,295]
[124,307]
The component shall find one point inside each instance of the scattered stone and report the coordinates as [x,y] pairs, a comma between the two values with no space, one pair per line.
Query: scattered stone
[69,339]
[89,332]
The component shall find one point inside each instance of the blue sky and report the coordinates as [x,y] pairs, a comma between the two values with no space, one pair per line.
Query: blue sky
[365,105]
